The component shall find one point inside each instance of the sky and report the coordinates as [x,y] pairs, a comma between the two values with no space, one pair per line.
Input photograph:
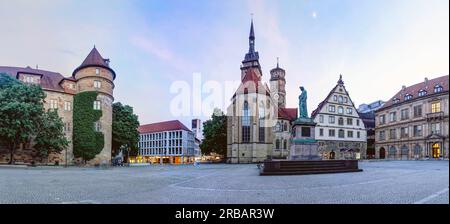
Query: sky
[377,45]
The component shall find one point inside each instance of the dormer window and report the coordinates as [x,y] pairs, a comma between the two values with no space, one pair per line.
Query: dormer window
[28,79]
[408,97]
[438,89]
[422,92]
[395,100]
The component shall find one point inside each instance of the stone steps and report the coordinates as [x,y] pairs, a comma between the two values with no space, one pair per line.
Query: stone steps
[286,167]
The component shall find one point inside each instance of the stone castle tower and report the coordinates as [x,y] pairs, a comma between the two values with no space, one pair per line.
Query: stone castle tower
[94,74]
[278,85]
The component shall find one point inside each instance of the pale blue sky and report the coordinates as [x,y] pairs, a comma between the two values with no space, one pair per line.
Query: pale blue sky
[378,45]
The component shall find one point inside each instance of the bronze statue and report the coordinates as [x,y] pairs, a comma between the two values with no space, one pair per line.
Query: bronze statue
[302,107]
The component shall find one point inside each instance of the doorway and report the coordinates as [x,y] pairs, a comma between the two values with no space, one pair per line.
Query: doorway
[382,153]
[436,150]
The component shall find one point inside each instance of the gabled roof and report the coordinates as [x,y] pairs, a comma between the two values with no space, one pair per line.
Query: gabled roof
[162,126]
[427,85]
[49,80]
[96,60]
[287,113]
[251,83]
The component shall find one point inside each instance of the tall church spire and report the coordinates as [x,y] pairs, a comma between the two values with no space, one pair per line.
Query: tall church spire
[252,55]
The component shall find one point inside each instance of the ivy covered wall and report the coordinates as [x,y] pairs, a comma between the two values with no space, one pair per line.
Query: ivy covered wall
[87,142]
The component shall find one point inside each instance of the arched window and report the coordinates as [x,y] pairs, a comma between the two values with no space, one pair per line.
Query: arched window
[392,152]
[340,110]
[278,127]
[341,133]
[285,144]
[277,144]
[341,99]
[422,92]
[405,152]
[438,88]
[246,123]
[262,125]
[341,121]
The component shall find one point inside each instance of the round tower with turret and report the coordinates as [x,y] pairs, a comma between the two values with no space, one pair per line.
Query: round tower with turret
[94,74]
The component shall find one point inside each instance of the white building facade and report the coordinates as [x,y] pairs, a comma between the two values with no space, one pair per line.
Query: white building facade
[166,142]
[340,131]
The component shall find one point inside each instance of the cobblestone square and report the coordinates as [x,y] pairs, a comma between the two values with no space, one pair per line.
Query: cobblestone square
[385,182]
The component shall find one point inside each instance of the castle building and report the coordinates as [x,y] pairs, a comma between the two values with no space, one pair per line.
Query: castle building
[258,124]
[340,130]
[166,142]
[94,74]
[413,124]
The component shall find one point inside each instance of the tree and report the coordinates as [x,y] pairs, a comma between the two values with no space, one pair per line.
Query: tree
[125,133]
[50,137]
[215,134]
[21,108]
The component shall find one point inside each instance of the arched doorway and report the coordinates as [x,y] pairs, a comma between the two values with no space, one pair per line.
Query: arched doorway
[332,155]
[392,152]
[382,153]
[417,151]
[405,152]
[436,150]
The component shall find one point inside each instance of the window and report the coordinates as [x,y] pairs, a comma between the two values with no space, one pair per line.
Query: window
[422,92]
[341,99]
[395,100]
[418,111]
[408,97]
[97,105]
[285,144]
[67,106]
[382,119]
[285,126]
[438,89]
[350,134]
[404,114]
[321,132]
[345,100]
[404,132]
[435,107]
[278,127]
[97,126]
[331,108]
[349,110]
[341,133]
[320,118]
[53,104]
[246,123]
[335,98]
[358,134]
[28,79]
[261,122]
[331,119]
[392,134]
[417,130]
[277,144]
[97,84]
[382,135]
[331,133]
[306,132]
[357,122]
[97,71]
[67,127]
[349,121]
[72,86]
[341,121]
[392,117]
[340,110]
[436,128]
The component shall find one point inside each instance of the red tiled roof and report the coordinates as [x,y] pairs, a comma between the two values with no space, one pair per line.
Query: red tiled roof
[49,80]
[94,59]
[287,113]
[251,83]
[414,90]
[162,126]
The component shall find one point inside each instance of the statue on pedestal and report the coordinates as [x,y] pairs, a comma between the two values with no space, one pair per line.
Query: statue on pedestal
[302,107]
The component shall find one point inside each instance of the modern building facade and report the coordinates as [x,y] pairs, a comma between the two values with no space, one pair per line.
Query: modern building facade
[94,74]
[340,130]
[258,124]
[413,124]
[166,142]
[367,114]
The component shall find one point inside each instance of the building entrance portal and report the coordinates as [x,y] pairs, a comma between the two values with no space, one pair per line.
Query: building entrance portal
[436,150]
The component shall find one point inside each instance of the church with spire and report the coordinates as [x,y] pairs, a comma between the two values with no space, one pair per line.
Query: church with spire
[93,75]
[258,124]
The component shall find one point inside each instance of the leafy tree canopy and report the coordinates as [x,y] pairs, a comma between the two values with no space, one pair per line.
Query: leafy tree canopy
[50,137]
[215,134]
[125,126]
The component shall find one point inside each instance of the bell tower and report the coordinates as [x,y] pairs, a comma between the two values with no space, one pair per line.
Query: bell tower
[278,85]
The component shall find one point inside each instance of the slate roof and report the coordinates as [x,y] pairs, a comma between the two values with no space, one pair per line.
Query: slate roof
[94,59]
[287,113]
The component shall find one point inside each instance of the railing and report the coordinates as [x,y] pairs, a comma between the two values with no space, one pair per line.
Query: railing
[435,116]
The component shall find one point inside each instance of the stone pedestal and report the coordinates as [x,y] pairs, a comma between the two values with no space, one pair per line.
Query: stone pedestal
[304,145]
